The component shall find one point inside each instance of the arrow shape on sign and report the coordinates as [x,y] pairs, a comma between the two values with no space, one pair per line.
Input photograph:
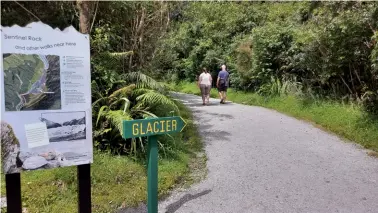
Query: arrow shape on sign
[183,121]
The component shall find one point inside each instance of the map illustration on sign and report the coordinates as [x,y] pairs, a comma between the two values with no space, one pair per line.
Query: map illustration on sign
[31,82]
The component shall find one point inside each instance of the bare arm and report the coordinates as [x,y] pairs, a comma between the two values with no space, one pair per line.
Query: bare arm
[218,81]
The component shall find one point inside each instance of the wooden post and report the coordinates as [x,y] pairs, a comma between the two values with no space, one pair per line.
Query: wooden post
[13,187]
[84,188]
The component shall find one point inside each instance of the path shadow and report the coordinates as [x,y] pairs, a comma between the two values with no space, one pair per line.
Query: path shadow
[204,127]
[195,104]
[186,198]
[215,135]
[222,115]
[196,110]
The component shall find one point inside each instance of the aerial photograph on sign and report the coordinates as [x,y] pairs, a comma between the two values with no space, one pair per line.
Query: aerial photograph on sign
[31,82]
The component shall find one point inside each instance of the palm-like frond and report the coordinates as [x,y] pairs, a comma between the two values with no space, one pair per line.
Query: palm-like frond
[123,92]
[144,81]
[153,98]
[98,101]
[127,104]
[101,112]
[145,113]
[142,91]
[117,117]
[112,108]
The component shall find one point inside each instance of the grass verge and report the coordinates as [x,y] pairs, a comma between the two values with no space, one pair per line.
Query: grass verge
[346,120]
[117,181]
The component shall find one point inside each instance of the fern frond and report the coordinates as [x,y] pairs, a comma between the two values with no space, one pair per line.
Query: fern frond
[141,91]
[98,100]
[127,104]
[154,98]
[123,92]
[144,81]
[145,113]
[117,117]
[119,82]
[100,112]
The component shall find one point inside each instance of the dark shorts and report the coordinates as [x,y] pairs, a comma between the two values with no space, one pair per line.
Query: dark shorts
[222,88]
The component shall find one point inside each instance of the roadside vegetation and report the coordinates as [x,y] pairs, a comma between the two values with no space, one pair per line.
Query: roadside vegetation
[313,60]
[325,50]
[347,120]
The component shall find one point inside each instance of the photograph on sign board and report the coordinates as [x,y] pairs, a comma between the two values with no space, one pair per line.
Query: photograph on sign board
[31,82]
[65,126]
[49,144]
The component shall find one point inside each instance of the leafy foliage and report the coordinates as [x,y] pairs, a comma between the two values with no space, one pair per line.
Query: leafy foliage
[144,81]
[127,103]
[328,48]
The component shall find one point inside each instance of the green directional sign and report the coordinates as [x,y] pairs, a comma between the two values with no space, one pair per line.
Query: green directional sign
[152,126]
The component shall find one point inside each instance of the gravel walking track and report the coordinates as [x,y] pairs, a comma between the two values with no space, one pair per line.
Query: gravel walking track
[260,160]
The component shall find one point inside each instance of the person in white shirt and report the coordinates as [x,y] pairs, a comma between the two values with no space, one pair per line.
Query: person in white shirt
[204,83]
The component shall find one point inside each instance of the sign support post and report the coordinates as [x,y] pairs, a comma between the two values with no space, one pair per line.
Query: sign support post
[150,128]
[84,188]
[152,175]
[13,188]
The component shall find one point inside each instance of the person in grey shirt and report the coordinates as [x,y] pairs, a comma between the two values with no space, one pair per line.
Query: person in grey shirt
[223,83]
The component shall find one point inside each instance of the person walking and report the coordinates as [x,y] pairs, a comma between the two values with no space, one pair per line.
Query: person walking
[222,84]
[204,83]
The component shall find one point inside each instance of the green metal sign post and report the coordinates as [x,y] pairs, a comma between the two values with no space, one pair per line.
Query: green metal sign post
[152,127]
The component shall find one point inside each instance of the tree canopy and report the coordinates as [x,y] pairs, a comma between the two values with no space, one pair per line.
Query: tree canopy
[328,48]
[324,49]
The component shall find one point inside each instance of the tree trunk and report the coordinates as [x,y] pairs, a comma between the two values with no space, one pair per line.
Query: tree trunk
[141,34]
[84,12]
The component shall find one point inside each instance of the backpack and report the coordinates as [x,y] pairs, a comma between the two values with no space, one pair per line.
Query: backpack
[222,81]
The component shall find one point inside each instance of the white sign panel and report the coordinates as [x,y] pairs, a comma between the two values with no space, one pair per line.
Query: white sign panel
[46,118]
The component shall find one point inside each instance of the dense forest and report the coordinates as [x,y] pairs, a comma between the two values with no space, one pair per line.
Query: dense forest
[316,49]
[325,50]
